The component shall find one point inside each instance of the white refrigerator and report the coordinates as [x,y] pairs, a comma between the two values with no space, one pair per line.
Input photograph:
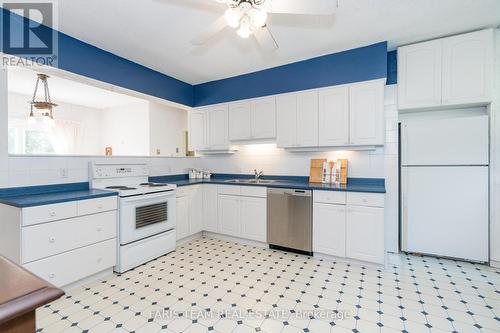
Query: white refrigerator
[445,187]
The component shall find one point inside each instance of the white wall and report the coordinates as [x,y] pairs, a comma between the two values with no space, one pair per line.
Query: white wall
[126,129]
[167,126]
[4,166]
[88,118]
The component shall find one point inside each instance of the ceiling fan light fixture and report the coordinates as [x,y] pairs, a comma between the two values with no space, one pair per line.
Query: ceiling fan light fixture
[245,29]
[259,17]
[233,17]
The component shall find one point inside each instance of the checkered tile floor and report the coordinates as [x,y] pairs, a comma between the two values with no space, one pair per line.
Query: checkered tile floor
[211,285]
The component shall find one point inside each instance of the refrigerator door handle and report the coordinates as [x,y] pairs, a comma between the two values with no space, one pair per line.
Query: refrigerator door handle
[404,146]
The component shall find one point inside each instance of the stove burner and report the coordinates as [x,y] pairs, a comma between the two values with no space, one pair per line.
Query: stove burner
[123,188]
[153,184]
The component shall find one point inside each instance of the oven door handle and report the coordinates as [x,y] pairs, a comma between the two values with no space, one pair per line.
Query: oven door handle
[142,197]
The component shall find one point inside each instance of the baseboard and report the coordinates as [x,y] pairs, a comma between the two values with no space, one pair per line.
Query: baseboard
[349,260]
[235,239]
[103,275]
[189,238]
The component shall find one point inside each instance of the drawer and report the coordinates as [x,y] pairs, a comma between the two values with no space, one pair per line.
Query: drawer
[229,189]
[98,205]
[46,213]
[254,191]
[182,191]
[48,239]
[75,265]
[365,199]
[333,197]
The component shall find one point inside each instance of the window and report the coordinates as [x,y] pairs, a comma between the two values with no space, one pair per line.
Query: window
[37,142]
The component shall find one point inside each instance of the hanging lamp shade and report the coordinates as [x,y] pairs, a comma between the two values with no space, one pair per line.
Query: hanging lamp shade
[45,104]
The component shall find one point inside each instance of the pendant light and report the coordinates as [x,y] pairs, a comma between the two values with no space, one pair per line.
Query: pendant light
[45,105]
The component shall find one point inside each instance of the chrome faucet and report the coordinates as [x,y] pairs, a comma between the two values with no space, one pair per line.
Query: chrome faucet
[258,174]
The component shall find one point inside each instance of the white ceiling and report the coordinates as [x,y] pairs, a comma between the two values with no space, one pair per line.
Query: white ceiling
[22,81]
[157,33]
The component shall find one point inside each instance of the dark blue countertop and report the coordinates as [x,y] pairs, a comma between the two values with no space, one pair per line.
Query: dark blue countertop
[49,194]
[370,185]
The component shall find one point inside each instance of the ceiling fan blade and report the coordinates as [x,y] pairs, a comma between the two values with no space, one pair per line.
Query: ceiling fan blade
[266,39]
[210,31]
[305,7]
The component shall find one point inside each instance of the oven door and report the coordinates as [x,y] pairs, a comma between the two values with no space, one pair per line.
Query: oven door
[146,215]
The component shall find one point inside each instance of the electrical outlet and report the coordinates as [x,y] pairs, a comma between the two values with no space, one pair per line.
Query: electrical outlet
[63,173]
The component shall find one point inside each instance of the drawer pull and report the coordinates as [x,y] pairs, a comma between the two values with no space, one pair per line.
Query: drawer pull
[99,259]
[99,229]
[52,239]
[99,206]
[52,214]
[52,275]
[365,200]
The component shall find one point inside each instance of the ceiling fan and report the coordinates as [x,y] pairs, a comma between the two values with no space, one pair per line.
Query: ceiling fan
[249,17]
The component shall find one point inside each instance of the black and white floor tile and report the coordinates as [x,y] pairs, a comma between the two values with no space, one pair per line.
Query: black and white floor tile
[211,285]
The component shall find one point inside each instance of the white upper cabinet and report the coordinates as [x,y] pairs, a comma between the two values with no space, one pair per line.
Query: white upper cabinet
[307,119]
[468,68]
[217,127]
[419,75]
[240,121]
[252,120]
[286,111]
[366,113]
[197,130]
[445,72]
[264,118]
[334,116]
[297,119]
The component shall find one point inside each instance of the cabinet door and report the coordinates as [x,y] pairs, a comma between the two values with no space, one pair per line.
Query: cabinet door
[229,215]
[366,113]
[365,233]
[286,120]
[195,210]
[329,229]
[253,218]
[419,75]
[210,207]
[240,121]
[307,119]
[334,117]
[264,118]
[217,128]
[197,137]
[468,67]
[182,227]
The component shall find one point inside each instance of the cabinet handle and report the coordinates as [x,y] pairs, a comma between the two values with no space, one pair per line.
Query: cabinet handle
[99,229]
[52,239]
[99,206]
[52,275]
[365,200]
[99,259]
[52,214]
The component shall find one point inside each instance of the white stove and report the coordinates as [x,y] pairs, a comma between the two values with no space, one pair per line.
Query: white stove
[147,212]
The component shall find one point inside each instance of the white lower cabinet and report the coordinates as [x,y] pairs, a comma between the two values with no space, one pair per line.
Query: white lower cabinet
[253,218]
[189,211]
[365,233]
[229,215]
[329,229]
[64,242]
[349,225]
[210,207]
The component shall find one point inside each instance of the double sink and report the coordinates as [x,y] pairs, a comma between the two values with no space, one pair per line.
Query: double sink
[250,181]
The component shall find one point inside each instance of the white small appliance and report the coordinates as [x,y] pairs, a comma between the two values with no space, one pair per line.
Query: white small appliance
[146,215]
[445,187]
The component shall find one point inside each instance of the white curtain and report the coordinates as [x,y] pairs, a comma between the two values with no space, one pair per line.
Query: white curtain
[65,137]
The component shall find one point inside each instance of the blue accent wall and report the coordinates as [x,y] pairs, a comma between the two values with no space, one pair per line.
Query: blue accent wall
[392,67]
[90,61]
[360,64]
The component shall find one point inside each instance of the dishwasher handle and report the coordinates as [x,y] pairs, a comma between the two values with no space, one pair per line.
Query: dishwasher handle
[292,192]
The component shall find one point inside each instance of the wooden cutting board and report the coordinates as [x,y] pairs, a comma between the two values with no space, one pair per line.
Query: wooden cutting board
[316,170]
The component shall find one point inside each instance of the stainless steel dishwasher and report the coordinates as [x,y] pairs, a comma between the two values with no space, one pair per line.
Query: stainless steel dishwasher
[289,220]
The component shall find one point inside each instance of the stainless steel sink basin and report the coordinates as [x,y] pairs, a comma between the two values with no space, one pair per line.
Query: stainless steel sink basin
[250,181]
